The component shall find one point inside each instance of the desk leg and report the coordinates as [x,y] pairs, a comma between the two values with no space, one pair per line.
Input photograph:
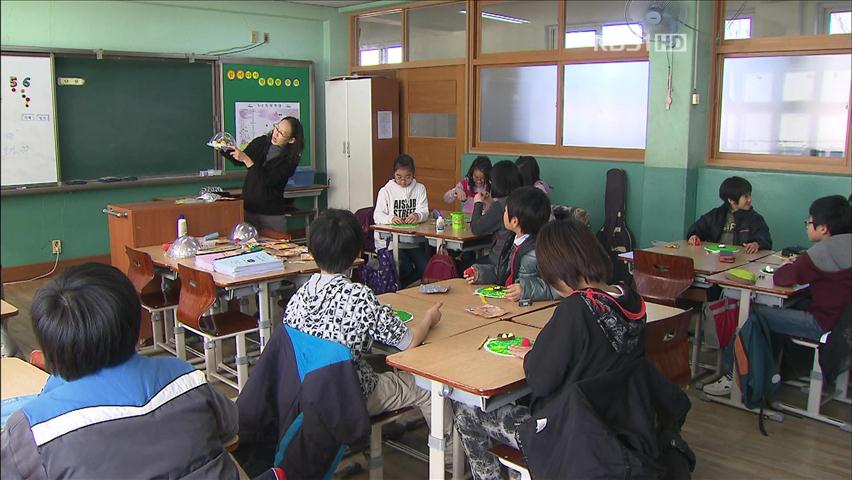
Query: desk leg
[263,320]
[436,425]
[395,246]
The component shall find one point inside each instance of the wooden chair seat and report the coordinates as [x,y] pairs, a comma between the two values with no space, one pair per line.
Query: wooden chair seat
[159,300]
[667,347]
[227,323]
[512,458]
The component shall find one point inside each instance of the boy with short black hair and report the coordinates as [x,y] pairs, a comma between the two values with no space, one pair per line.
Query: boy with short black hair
[104,401]
[826,266]
[527,210]
[734,222]
[331,306]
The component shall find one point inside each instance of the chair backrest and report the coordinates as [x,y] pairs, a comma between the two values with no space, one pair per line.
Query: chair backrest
[197,295]
[365,219]
[667,347]
[661,278]
[140,271]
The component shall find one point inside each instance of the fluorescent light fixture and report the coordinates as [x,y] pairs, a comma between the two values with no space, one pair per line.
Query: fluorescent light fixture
[502,18]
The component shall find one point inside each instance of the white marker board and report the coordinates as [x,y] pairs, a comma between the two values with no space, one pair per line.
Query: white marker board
[27,130]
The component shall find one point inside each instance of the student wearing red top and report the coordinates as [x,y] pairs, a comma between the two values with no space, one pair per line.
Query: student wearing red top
[527,210]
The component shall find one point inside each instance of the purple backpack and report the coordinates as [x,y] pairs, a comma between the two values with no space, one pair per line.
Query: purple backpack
[383,279]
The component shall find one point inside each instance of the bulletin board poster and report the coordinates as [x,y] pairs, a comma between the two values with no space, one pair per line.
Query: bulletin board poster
[255,97]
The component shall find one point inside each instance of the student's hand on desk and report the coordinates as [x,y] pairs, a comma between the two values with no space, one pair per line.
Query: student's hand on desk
[470,275]
[519,351]
[513,292]
[413,218]
[433,315]
[752,247]
[396,220]
[694,240]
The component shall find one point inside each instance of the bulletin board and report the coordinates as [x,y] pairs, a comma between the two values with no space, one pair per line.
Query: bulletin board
[256,95]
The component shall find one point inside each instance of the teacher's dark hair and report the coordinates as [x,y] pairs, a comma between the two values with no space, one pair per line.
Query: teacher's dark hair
[293,151]
[85,319]
[568,251]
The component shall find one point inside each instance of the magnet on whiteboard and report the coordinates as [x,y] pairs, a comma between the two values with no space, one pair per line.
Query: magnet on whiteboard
[70,81]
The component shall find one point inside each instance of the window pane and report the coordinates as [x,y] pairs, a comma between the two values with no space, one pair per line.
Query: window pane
[518,104]
[606,18]
[584,38]
[437,32]
[738,29]
[519,25]
[790,105]
[381,33]
[840,22]
[606,105]
[778,18]
[432,125]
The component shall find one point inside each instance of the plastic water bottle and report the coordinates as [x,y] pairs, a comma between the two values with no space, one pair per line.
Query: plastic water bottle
[181,225]
[439,224]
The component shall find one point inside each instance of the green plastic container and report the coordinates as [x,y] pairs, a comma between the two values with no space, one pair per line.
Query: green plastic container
[457,219]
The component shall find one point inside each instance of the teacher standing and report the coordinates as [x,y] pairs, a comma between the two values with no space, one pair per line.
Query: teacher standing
[270,161]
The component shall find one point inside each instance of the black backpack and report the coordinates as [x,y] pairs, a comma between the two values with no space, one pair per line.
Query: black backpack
[614,235]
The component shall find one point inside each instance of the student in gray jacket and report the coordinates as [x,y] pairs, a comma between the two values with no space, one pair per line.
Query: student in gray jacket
[527,210]
[107,412]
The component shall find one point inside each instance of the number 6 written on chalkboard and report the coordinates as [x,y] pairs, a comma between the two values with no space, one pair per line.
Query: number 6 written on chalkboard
[26,82]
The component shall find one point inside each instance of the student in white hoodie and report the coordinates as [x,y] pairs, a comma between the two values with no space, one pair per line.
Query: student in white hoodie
[403,200]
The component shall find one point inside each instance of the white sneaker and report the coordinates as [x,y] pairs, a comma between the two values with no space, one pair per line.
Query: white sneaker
[720,387]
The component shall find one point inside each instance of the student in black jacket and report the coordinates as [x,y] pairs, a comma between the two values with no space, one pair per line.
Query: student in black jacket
[596,329]
[270,161]
[488,206]
[735,222]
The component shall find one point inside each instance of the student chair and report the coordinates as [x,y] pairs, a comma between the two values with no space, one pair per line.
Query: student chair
[512,458]
[198,294]
[157,299]
[667,347]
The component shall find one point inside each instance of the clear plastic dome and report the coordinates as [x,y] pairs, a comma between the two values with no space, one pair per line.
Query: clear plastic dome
[183,247]
[243,232]
[222,141]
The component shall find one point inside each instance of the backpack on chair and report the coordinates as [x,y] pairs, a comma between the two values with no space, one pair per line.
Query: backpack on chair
[440,267]
[384,278]
[614,235]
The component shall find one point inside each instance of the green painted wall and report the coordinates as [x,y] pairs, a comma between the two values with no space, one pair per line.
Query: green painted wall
[297,32]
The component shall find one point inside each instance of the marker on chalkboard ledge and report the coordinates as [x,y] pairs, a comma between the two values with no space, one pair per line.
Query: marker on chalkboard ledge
[76,182]
[130,178]
[109,179]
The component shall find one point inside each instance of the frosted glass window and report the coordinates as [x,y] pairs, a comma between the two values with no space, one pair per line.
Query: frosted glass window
[437,32]
[622,34]
[801,109]
[380,39]
[839,23]
[518,26]
[432,125]
[606,105]
[781,18]
[518,104]
[738,29]
[579,39]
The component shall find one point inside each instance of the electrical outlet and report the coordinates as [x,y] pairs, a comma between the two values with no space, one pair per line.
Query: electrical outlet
[265,37]
[255,35]
[56,246]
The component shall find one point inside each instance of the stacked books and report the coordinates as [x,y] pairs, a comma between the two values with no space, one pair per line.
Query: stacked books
[251,263]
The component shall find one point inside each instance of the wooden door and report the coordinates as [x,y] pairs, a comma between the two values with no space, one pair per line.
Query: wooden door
[433,126]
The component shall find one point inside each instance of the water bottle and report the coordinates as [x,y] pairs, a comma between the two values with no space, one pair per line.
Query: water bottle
[181,226]
[439,224]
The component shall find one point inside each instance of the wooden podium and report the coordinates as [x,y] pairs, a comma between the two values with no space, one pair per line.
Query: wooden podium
[144,224]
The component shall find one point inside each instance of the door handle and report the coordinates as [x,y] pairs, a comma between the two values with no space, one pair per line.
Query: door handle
[344,147]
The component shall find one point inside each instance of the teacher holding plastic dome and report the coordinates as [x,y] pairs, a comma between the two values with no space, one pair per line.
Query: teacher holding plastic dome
[270,161]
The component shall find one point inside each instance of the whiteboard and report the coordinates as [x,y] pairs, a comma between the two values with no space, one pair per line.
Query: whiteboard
[28,129]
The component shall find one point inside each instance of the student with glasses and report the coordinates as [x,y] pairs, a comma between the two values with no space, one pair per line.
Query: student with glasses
[270,161]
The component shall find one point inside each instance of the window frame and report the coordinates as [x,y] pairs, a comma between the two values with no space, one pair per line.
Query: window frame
[769,47]
[559,56]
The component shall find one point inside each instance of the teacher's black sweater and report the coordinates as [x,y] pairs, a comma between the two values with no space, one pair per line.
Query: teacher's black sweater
[263,188]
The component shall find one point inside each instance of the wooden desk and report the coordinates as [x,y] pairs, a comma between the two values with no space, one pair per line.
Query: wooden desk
[457,369]
[455,238]
[773,258]
[7,310]
[763,292]
[704,262]
[143,224]
[20,378]
[461,295]
[453,320]
[539,319]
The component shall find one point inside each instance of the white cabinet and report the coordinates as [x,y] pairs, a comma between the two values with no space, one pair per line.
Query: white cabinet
[361,138]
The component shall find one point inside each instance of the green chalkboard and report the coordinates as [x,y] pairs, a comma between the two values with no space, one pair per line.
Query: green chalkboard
[255,96]
[134,117]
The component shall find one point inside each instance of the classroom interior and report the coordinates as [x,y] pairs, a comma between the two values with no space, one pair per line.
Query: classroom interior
[455,74]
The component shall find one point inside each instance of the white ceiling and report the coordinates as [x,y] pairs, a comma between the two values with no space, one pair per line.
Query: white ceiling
[331,3]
